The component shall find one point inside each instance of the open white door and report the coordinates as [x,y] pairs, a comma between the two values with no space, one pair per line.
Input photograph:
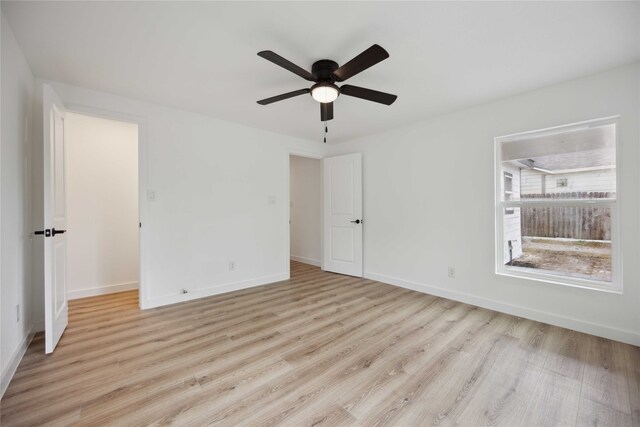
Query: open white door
[342,229]
[55,220]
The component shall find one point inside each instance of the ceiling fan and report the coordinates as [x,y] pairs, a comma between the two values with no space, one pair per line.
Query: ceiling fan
[325,73]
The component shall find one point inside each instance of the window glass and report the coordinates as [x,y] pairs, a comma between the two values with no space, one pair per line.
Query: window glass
[578,164]
[556,204]
[566,241]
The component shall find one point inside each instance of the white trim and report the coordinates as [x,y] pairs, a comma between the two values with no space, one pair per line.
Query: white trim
[214,290]
[558,202]
[102,290]
[622,335]
[547,276]
[302,153]
[304,260]
[287,216]
[586,124]
[14,361]
[616,284]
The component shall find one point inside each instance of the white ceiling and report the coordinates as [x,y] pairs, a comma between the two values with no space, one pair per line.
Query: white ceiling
[201,56]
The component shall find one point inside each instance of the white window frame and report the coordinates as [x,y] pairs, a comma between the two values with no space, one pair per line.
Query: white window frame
[615,286]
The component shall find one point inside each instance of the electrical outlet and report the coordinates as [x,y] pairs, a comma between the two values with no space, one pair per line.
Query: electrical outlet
[452,272]
[271,200]
[151,195]
[232,266]
[18,313]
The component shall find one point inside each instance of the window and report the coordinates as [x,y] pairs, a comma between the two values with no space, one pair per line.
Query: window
[556,217]
[508,191]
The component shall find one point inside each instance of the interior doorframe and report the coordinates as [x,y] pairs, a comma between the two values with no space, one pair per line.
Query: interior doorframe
[142,184]
[287,217]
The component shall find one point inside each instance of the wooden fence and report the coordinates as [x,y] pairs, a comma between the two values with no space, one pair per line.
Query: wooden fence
[588,223]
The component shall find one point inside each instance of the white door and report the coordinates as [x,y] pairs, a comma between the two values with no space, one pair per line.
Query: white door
[55,220]
[342,229]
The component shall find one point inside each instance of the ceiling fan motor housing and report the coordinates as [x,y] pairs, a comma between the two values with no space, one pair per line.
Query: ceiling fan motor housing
[323,70]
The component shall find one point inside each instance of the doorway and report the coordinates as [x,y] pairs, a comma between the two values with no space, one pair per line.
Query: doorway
[305,204]
[102,173]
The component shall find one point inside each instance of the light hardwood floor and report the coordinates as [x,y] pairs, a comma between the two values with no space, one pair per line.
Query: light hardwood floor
[320,349]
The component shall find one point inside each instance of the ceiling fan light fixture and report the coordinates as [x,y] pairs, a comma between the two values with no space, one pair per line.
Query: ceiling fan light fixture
[325,92]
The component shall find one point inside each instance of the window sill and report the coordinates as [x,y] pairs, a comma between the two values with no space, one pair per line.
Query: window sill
[592,285]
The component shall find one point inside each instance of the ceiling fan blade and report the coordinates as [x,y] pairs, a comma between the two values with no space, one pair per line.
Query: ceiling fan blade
[286,64]
[326,111]
[366,59]
[368,94]
[283,96]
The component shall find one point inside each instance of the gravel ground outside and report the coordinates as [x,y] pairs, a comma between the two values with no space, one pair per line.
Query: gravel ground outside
[574,258]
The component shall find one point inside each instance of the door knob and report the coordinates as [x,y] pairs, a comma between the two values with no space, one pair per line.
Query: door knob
[356,221]
[54,231]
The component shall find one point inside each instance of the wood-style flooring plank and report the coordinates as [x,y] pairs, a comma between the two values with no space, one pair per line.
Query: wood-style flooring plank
[319,349]
[595,414]
[554,401]
[605,375]
[632,354]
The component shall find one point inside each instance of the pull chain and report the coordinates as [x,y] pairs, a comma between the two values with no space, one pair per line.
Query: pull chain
[326,129]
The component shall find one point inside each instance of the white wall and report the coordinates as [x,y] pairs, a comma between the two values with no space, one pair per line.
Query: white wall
[17,92]
[306,209]
[102,205]
[212,180]
[415,229]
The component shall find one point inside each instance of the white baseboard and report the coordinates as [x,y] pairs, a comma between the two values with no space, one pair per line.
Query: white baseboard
[14,361]
[304,260]
[622,335]
[102,290]
[214,290]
